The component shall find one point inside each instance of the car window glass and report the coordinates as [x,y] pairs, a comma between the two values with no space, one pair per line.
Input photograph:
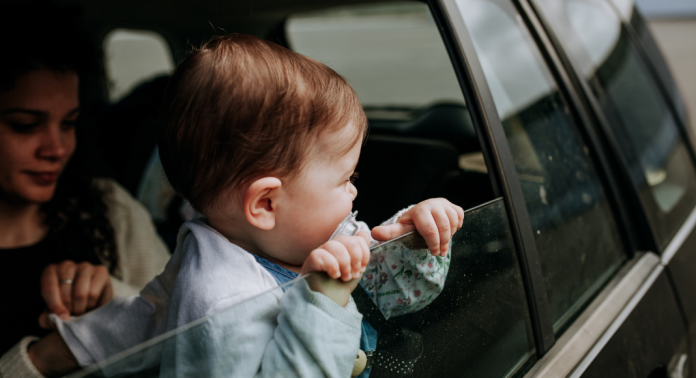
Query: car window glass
[644,125]
[132,57]
[625,8]
[391,54]
[422,144]
[477,327]
[577,237]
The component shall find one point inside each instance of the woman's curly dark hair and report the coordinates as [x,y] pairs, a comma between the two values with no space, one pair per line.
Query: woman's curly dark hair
[43,35]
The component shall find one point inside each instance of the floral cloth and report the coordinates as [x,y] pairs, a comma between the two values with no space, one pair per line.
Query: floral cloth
[401,280]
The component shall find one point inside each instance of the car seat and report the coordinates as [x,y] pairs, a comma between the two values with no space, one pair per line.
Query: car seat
[395,172]
[128,132]
[447,122]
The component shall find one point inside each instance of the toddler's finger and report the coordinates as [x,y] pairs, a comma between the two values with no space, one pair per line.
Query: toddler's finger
[366,250]
[391,231]
[426,226]
[460,213]
[321,260]
[453,219]
[444,229]
[340,253]
[362,257]
[365,235]
[354,247]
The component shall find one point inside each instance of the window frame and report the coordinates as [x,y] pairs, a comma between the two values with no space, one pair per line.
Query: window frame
[499,160]
[612,173]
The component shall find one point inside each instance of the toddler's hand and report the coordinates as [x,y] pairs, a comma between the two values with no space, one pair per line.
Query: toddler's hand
[344,257]
[436,219]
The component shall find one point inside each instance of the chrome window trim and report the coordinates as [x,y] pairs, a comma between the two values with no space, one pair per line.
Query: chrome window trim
[583,341]
[679,238]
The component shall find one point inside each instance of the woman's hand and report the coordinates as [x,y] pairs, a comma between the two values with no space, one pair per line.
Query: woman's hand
[436,219]
[71,288]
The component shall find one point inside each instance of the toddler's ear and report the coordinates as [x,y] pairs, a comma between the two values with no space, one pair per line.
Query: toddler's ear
[259,202]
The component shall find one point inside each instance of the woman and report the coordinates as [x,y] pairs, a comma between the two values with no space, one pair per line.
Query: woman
[68,242]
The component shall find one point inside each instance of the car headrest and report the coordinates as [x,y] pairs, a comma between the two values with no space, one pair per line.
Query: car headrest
[395,172]
[450,122]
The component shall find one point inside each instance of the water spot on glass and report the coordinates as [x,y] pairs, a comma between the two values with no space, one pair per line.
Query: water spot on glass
[538,232]
[586,198]
[542,194]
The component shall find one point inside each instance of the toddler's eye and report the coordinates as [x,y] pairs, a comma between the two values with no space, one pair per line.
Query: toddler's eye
[353,177]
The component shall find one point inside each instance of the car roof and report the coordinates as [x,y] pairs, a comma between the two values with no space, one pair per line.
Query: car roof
[189,22]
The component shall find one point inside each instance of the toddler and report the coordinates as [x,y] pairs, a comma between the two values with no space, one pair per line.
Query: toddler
[264,143]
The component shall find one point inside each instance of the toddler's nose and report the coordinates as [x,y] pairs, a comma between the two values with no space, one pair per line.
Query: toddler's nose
[352,190]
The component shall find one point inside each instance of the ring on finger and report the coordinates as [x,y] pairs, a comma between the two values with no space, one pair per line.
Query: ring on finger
[66,281]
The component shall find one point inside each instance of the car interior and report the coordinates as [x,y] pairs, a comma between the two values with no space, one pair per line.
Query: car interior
[419,147]
[397,165]
[421,144]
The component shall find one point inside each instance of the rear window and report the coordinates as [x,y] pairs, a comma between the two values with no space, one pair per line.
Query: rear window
[133,57]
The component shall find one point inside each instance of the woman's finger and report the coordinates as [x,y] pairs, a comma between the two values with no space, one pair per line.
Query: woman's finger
[81,288]
[100,283]
[45,322]
[50,292]
[107,294]
[66,280]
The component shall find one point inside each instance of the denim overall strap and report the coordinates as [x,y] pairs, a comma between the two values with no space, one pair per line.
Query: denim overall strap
[280,274]
[368,336]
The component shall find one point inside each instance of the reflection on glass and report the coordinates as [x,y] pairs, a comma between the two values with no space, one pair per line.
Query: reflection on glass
[576,235]
[592,35]
[478,326]
[199,349]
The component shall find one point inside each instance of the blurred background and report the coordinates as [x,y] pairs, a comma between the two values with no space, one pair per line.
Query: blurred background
[673,23]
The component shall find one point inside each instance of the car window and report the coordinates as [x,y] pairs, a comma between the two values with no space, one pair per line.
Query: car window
[477,327]
[391,54]
[645,127]
[421,145]
[132,57]
[576,233]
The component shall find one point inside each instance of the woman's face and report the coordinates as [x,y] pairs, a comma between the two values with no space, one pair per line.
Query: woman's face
[37,134]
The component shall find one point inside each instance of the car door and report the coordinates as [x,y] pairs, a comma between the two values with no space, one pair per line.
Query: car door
[475,101]
[612,307]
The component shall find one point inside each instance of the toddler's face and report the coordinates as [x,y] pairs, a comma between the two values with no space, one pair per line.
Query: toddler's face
[320,198]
